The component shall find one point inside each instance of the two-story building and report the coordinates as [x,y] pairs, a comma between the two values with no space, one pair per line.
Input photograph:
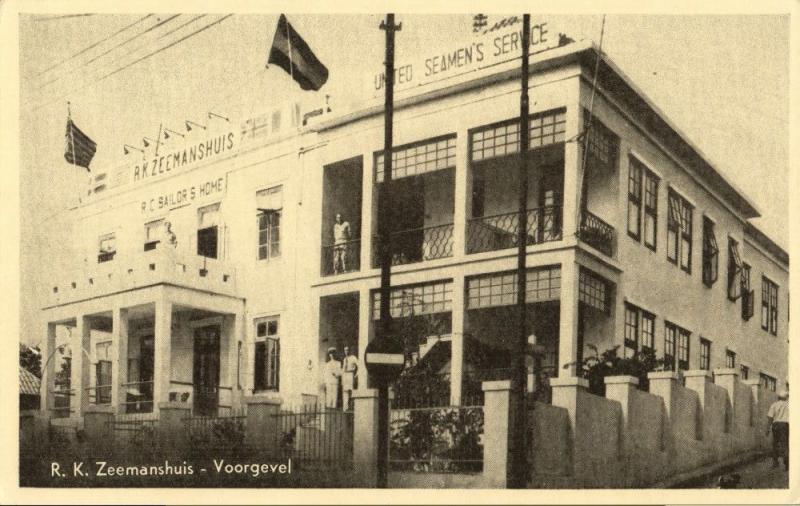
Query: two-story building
[634,239]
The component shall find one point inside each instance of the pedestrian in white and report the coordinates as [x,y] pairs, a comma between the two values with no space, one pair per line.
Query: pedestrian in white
[331,373]
[778,423]
[341,235]
[350,372]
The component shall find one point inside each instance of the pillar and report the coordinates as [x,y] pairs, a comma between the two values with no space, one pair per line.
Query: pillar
[728,378]
[622,389]
[462,200]
[365,445]
[48,369]
[568,323]
[119,367]
[566,391]
[261,429]
[458,316]
[172,430]
[497,418]
[81,362]
[572,161]
[162,343]
[365,330]
[758,420]
[96,425]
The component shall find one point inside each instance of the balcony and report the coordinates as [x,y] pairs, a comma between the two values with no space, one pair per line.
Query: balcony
[596,233]
[418,245]
[141,270]
[341,258]
[500,231]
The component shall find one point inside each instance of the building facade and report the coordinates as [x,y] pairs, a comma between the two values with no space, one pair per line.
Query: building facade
[634,240]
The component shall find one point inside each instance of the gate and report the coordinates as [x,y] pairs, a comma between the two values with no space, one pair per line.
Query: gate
[315,437]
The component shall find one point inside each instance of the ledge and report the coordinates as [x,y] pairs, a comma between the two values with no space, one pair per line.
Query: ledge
[105,409]
[656,375]
[174,405]
[697,373]
[569,382]
[496,386]
[754,382]
[272,400]
[365,393]
[617,380]
[730,371]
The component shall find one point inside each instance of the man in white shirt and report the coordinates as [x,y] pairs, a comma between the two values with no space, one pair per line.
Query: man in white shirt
[341,235]
[331,374]
[778,423]
[350,371]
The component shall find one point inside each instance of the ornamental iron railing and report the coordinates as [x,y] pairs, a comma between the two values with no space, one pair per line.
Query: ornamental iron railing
[596,233]
[341,258]
[418,245]
[500,231]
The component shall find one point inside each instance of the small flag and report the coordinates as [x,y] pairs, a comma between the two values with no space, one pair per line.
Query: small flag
[291,53]
[80,148]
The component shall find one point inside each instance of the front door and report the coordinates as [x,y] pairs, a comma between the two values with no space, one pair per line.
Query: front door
[206,370]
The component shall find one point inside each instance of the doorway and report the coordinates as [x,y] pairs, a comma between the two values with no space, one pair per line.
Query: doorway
[206,370]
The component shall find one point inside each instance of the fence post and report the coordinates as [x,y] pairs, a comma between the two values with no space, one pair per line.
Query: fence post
[365,445]
[739,441]
[497,418]
[172,430]
[262,425]
[566,391]
[96,425]
[33,429]
[758,423]
[621,389]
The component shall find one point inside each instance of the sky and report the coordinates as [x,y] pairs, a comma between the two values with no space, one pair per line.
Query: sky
[722,80]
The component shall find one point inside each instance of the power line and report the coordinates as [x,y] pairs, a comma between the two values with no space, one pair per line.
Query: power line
[153,53]
[92,45]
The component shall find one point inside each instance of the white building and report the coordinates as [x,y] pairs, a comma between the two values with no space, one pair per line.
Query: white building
[640,242]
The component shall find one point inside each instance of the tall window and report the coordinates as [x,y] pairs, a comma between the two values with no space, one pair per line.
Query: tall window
[748,294]
[103,373]
[642,203]
[705,354]
[267,364]
[730,359]
[639,330]
[683,349]
[670,337]
[679,231]
[269,203]
[208,230]
[767,381]
[152,234]
[710,253]
[676,347]
[769,306]
[734,270]
[745,371]
[108,247]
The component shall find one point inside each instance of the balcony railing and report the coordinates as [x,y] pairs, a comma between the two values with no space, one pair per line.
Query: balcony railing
[418,245]
[491,233]
[596,233]
[341,258]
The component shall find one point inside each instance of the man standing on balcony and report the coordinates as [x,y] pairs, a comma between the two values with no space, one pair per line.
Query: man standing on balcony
[341,235]
[331,375]
[778,423]
[349,372]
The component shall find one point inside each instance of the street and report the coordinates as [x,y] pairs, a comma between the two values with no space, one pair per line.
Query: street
[756,474]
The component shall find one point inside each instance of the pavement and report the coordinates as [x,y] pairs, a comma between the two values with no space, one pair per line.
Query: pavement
[755,474]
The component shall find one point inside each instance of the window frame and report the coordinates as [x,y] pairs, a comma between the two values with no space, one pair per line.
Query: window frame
[269,379]
[670,345]
[744,371]
[650,210]
[730,359]
[710,253]
[635,197]
[705,354]
[643,329]
[268,225]
[735,266]
[769,305]
[106,255]
[201,211]
[680,225]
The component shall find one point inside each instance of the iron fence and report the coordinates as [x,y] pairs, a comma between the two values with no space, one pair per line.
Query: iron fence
[315,437]
[138,397]
[133,431]
[225,430]
[341,258]
[596,233]
[500,231]
[421,390]
[436,439]
[418,245]
[62,403]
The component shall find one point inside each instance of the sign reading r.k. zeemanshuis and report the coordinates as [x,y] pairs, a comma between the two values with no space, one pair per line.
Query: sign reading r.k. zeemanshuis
[172,161]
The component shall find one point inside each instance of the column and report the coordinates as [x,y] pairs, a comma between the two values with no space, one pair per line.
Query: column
[81,362]
[263,424]
[572,160]
[365,445]
[365,329]
[48,368]
[568,323]
[458,316]
[236,340]
[368,213]
[497,426]
[119,367]
[162,343]
[462,202]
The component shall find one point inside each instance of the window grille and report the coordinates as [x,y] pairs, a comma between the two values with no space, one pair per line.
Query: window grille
[710,253]
[419,158]
[501,139]
[500,289]
[415,300]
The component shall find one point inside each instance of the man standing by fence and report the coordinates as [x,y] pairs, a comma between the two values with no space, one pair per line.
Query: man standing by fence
[332,373]
[778,418]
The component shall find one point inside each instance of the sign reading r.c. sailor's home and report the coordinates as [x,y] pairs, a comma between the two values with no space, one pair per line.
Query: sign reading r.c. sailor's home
[171,161]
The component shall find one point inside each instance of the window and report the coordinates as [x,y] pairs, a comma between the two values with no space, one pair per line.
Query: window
[769,306]
[710,253]
[730,359]
[748,294]
[500,139]
[415,300]
[676,339]
[269,204]
[670,336]
[683,349]
[745,371]
[639,330]
[594,291]
[108,247]
[601,143]
[705,354]
[103,373]
[768,381]
[642,203]
[734,270]
[208,231]
[419,158]
[500,289]
[679,231]
[152,234]
[267,363]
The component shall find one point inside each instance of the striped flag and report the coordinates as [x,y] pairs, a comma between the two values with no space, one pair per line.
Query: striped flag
[80,148]
[291,53]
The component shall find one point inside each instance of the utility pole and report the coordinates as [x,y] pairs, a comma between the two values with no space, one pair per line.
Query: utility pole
[384,236]
[518,473]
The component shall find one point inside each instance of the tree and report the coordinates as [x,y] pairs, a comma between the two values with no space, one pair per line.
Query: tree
[30,359]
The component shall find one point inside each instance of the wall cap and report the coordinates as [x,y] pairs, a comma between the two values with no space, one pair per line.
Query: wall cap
[621,379]
[697,373]
[104,409]
[272,400]
[726,371]
[656,375]
[569,382]
[496,386]
[365,393]
[753,382]
[175,405]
